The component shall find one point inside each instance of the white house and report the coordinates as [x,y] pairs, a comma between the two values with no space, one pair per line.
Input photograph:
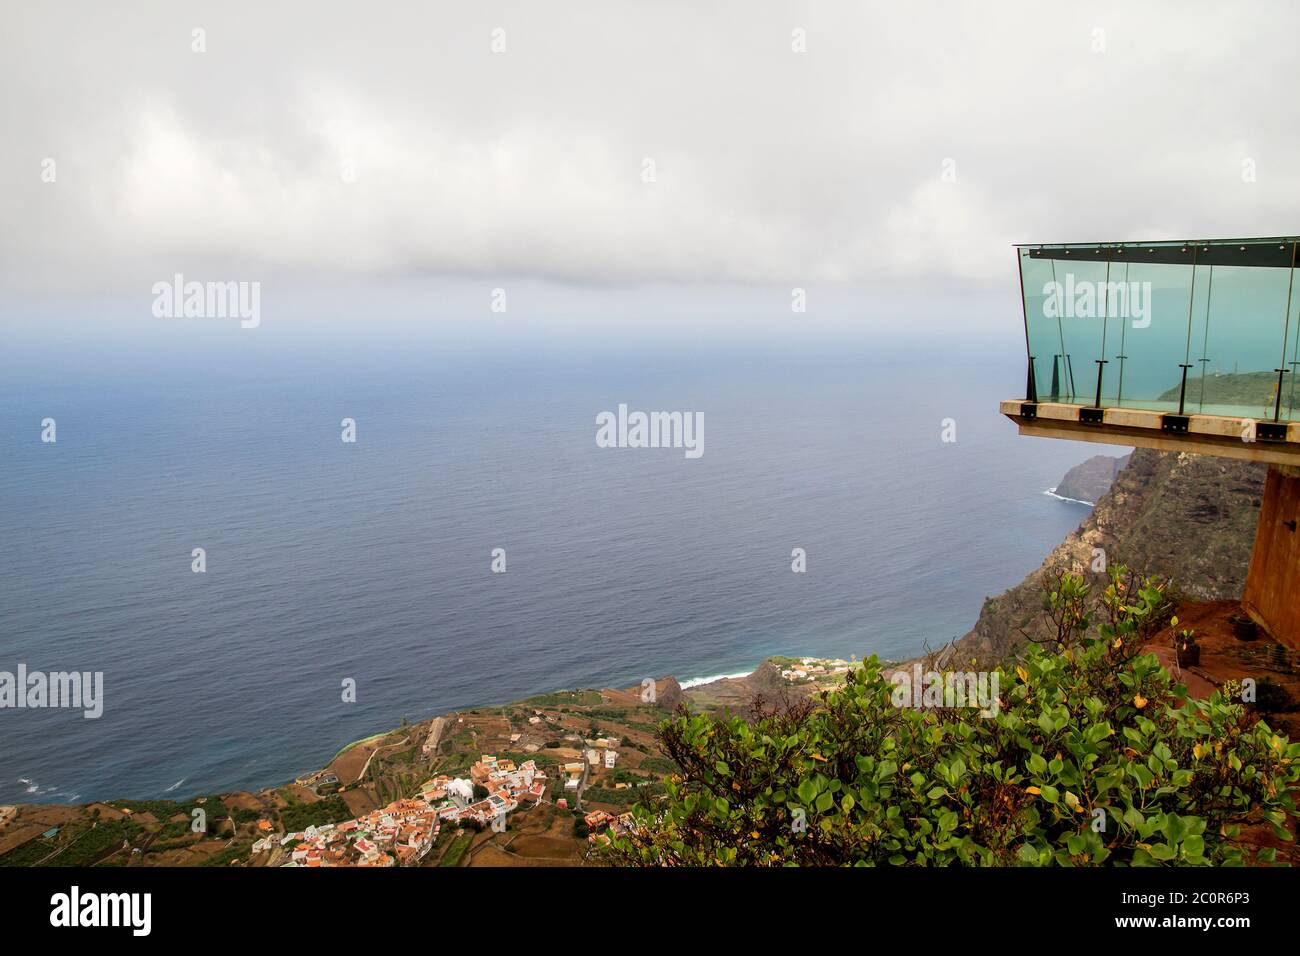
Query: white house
[610,757]
[461,792]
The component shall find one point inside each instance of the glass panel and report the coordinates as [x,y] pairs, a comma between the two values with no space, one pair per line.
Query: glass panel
[1219,307]
[1064,306]
[1291,407]
[1082,285]
[1043,330]
[1147,340]
[1241,326]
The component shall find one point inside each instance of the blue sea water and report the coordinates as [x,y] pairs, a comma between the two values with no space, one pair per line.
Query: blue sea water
[370,561]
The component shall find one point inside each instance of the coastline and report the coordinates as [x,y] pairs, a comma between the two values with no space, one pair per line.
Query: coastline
[1051,493]
[693,682]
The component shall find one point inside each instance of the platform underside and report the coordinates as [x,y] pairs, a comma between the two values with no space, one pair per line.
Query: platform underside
[1274,444]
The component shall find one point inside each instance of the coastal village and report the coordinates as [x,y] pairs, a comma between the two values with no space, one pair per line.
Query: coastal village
[403,832]
[540,782]
[815,670]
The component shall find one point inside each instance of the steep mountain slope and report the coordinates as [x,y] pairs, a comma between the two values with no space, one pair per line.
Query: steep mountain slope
[1191,517]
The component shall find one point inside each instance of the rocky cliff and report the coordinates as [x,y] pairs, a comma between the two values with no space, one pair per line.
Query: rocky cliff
[1190,517]
[1090,480]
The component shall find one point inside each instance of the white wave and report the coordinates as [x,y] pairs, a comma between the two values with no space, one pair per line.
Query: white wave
[175,785]
[1051,492]
[31,786]
[697,681]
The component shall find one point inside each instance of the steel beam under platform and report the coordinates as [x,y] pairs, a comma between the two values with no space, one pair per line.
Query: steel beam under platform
[1275,443]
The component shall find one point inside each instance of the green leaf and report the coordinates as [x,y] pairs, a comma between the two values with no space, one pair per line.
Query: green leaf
[1162,851]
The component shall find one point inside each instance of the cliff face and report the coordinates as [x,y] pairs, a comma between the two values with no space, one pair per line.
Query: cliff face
[1091,479]
[1190,517]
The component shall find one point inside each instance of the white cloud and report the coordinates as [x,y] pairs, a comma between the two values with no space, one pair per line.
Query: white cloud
[771,166]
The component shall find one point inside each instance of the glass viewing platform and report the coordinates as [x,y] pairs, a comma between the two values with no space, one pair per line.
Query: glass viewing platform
[1188,337]
[1179,346]
[1209,327]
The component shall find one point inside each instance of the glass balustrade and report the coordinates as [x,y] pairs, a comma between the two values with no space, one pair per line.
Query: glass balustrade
[1207,327]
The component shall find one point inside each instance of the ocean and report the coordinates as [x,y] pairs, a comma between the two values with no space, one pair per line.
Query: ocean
[370,561]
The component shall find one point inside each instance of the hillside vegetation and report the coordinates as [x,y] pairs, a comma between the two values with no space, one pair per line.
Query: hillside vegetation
[1190,518]
[1094,757]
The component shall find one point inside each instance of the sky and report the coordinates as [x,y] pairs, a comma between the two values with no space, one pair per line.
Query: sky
[666,162]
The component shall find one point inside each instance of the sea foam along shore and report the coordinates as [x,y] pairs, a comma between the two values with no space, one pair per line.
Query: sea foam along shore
[1051,492]
[699,681]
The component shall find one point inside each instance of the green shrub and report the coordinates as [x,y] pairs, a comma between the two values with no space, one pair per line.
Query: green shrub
[1091,759]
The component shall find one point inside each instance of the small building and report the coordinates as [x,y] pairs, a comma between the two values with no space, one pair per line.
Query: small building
[461,792]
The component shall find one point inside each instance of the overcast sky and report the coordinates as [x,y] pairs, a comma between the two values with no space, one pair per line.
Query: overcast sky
[906,148]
